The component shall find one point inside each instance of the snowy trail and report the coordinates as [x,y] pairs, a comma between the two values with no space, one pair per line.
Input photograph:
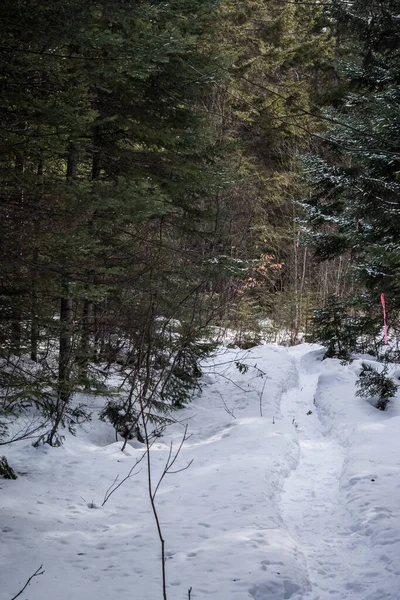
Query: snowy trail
[339,561]
[266,511]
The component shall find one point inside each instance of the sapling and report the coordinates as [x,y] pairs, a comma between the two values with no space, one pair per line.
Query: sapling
[376,385]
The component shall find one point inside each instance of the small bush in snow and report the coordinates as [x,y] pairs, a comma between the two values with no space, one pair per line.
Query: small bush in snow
[5,470]
[376,385]
[344,326]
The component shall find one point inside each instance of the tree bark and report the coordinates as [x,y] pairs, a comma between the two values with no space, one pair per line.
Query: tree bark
[85,350]
[72,163]
[65,336]
[97,158]
[66,314]
[34,294]
[16,329]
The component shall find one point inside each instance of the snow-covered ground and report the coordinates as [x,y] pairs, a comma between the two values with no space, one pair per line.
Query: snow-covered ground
[293,493]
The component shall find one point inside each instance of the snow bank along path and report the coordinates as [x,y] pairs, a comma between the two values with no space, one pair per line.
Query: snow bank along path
[341,562]
[287,505]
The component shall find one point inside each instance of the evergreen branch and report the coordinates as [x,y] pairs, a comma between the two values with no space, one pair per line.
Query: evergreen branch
[11,50]
[284,118]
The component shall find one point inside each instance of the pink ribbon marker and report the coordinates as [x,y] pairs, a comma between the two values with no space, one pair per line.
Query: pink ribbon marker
[385,327]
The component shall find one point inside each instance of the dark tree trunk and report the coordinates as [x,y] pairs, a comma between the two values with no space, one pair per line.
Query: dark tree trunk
[85,346]
[34,322]
[65,338]
[88,307]
[64,361]
[97,154]
[16,317]
[34,294]
[72,163]
[66,314]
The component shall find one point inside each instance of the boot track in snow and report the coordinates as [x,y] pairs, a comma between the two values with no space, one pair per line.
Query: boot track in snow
[339,561]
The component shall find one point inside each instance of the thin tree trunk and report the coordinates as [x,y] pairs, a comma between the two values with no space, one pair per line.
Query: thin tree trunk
[301,291]
[66,314]
[85,350]
[316,80]
[34,319]
[339,276]
[64,361]
[16,316]
[88,306]
[97,333]
[65,339]
[72,163]
[336,61]
[34,294]
[97,156]
[66,305]
[295,325]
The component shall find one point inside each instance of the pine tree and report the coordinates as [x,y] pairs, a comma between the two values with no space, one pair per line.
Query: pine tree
[280,60]
[107,167]
[376,385]
[354,206]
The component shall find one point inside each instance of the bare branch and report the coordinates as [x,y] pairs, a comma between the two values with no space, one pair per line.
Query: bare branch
[261,396]
[183,468]
[226,407]
[152,491]
[39,571]
[234,383]
[27,432]
[153,506]
[170,462]
[113,487]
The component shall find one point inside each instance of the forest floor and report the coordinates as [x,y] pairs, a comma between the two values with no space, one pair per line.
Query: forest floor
[293,493]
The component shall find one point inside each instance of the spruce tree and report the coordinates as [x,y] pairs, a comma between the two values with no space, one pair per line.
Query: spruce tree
[108,165]
[281,58]
[354,207]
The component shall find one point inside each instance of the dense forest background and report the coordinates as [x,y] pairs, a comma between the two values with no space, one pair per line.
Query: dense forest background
[173,170]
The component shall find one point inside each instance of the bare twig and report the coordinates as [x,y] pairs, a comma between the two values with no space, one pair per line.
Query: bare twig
[171,460]
[226,407]
[240,356]
[189,592]
[106,495]
[233,382]
[27,432]
[183,468]
[261,396]
[152,490]
[153,506]
[114,486]
[39,571]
